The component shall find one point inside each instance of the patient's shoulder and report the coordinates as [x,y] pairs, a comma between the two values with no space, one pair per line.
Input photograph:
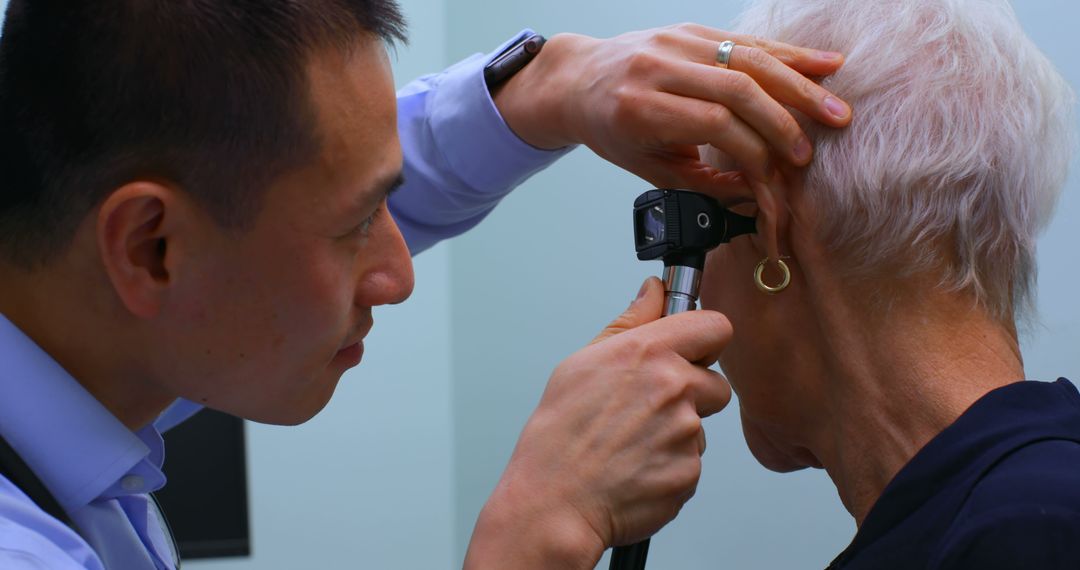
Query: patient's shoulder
[1023,513]
[1044,472]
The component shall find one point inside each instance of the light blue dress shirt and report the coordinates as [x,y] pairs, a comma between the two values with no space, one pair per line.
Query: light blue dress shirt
[460,157]
[96,468]
[460,160]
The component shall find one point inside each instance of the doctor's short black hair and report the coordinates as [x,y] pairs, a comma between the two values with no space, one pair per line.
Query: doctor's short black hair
[210,95]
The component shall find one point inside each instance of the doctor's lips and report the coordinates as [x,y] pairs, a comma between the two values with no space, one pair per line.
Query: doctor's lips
[353,352]
[350,355]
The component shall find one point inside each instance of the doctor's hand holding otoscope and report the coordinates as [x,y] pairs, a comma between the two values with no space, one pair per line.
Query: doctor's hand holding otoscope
[581,480]
[607,465]
[649,433]
[679,228]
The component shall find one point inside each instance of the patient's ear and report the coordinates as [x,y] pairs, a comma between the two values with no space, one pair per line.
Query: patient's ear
[772,217]
[134,227]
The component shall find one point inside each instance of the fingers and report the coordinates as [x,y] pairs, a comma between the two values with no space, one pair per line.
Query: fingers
[728,187]
[620,421]
[789,86]
[710,391]
[770,80]
[686,120]
[647,307]
[697,336]
[738,93]
[806,61]
[754,86]
[683,166]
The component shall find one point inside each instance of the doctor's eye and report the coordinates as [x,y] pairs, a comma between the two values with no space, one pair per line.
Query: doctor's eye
[363,227]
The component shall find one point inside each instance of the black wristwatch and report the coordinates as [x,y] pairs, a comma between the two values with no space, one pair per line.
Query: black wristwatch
[510,61]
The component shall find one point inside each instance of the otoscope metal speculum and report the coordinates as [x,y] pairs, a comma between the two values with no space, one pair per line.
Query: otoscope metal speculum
[679,227]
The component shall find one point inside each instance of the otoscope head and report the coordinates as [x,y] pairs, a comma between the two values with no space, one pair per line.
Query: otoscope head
[680,227]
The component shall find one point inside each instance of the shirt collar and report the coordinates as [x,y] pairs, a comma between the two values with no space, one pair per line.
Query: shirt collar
[78,449]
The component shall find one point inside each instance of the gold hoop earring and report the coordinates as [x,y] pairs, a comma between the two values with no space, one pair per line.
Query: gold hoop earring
[765,287]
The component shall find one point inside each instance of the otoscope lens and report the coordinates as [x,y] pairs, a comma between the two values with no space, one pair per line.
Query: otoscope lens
[655,228]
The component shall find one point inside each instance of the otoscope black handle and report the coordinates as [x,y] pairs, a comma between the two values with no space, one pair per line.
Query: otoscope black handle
[682,277]
[679,227]
[630,557]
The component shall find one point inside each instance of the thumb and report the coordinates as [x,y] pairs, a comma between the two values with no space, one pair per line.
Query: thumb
[648,307]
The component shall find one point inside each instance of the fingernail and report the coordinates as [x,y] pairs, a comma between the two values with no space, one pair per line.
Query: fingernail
[830,55]
[836,107]
[802,149]
[641,292]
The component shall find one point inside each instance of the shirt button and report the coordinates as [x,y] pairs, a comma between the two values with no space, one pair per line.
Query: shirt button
[132,483]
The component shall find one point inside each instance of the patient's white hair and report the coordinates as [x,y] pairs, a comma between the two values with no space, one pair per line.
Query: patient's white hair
[959,147]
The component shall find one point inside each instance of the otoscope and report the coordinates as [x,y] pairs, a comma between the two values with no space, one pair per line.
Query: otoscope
[679,227]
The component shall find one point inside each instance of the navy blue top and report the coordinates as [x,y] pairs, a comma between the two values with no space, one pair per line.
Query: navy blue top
[998,489]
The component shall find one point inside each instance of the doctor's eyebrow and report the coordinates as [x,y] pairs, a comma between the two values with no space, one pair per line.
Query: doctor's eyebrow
[382,190]
[388,187]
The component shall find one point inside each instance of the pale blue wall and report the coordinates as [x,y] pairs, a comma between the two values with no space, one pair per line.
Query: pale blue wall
[1053,348]
[556,262]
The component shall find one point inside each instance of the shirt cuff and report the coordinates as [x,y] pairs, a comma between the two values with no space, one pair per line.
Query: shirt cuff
[473,137]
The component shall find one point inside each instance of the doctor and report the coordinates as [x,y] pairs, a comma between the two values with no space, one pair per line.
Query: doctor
[196,206]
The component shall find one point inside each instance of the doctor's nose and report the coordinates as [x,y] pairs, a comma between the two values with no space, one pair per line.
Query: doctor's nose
[390,279]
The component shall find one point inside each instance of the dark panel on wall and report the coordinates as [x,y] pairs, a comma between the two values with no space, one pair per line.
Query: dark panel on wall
[206,499]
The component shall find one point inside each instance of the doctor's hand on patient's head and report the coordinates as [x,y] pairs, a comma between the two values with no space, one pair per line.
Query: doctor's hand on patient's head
[646,100]
[613,450]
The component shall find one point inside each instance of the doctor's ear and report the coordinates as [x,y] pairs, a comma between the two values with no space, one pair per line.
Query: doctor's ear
[135,225]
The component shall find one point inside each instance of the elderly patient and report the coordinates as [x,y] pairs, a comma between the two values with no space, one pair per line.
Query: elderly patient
[890,356]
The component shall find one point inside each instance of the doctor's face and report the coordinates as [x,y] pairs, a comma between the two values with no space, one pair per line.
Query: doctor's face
[271,317]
